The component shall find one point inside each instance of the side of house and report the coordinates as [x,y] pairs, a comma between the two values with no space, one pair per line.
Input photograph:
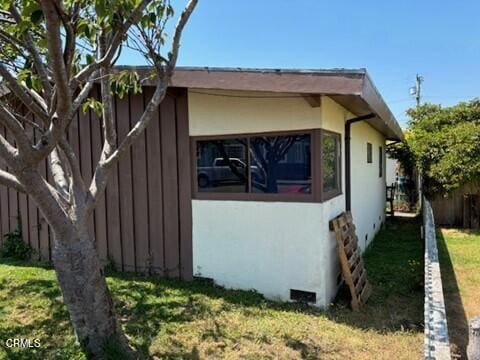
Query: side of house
[269,244]
[236,179]
[368,181]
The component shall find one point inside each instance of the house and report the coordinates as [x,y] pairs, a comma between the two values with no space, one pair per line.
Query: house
[238,179]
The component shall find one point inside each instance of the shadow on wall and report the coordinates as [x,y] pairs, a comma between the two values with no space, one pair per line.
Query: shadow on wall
[456,318]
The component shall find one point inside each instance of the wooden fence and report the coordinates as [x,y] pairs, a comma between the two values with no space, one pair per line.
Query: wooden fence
[460,209]
[143,221]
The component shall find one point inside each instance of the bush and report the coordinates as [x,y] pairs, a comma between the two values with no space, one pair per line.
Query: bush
[14,247]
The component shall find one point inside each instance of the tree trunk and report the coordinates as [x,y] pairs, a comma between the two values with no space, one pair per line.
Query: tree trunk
[78,269]
[85,292]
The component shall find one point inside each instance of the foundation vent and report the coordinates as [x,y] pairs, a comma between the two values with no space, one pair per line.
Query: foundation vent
[303,296]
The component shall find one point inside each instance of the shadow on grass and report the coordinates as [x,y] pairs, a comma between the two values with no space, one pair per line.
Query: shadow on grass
[456,318]
[147,305]
[394,264]
[34,326]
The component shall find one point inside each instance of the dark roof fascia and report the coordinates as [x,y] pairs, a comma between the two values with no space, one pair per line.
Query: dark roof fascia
[351,88]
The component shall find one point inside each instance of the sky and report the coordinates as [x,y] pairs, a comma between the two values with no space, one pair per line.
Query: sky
[393,40]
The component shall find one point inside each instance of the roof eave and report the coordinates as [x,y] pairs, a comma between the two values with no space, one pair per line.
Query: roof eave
[353,89]
[372,97]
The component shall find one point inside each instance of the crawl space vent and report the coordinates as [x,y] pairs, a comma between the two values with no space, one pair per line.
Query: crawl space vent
[303,296]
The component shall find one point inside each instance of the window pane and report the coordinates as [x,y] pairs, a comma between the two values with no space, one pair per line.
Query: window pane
[369,153]
[221,165]
[281,164]
[330,165]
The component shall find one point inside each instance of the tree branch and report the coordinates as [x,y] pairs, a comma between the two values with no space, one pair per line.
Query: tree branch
[112,48]
[182,21]
[69,50]
[100,177]
[10,181]
[109,131]
[99,180]
[37,59]
[8,152]
[55,56]
[10,121]
[83,93]
[161,88]
[59,172]
[77,182]
[22,93]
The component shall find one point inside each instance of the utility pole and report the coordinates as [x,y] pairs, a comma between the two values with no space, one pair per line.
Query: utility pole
[417,92]
[417,89]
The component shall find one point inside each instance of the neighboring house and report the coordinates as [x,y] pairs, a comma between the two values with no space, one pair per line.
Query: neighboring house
[239,179]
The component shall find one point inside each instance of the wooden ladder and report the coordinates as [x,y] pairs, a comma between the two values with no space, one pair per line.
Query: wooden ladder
[351,261]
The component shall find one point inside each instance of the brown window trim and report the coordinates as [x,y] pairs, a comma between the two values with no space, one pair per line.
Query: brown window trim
[338,191]
[316,194]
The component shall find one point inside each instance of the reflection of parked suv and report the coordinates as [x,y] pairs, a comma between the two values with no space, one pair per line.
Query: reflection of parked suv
[221,172]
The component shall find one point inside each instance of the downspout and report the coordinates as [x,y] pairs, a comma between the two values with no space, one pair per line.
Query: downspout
[348,175]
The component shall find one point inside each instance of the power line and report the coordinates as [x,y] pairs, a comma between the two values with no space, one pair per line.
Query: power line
[452,96]
[399,100]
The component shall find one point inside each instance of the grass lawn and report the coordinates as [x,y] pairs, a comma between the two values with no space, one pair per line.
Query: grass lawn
[170,319]
[460,265]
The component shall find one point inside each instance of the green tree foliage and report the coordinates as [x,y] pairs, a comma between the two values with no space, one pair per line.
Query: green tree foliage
[444,144]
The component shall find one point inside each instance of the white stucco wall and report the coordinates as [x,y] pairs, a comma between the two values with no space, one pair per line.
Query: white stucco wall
[391,171]
[271,247]
[368,189]
[214,115]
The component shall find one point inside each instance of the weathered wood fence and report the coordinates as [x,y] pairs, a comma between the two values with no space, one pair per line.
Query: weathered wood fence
[143,221]
[437,344]
[461,208]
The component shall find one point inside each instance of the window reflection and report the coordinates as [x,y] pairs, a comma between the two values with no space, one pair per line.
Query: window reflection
[281,164]
[222,165]
[330,162]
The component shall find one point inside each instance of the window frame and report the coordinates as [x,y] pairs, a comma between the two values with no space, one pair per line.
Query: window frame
[316,194]
[381,157]
[327,195]
[369,153]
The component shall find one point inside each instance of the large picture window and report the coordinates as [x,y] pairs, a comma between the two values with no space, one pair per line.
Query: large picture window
[277,166]
[281,164]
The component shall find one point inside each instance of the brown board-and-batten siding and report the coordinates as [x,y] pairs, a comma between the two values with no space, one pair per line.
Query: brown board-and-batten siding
[143,220]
